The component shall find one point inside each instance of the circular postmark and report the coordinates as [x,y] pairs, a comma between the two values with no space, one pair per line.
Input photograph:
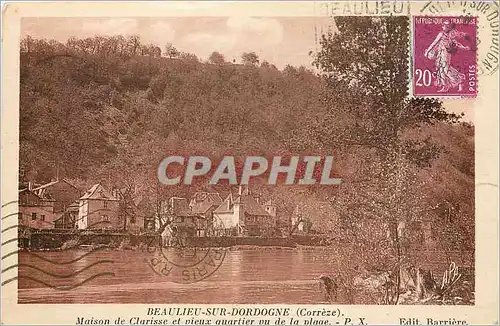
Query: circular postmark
[184,257]
[487,13]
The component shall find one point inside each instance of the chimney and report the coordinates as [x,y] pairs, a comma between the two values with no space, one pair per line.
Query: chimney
[240,190]
[30,186]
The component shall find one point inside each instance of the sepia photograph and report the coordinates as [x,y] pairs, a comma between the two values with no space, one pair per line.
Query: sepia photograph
[249,163]
[248,160]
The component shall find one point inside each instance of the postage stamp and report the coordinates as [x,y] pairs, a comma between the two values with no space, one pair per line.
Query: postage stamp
[445,56]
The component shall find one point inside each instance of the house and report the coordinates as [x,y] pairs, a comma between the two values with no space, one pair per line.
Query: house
[130,201]
[99,209]
[203,204]
[194,218]
[67,220]
[300,223]
[62,191]
[146,212]
[244,215]
[188,218]
[36,211]
[159,213]
[184,222]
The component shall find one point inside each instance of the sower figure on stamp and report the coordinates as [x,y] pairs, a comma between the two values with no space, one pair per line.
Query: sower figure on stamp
[441,50]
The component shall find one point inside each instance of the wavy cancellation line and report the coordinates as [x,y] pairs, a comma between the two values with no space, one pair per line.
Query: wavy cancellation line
[9,215]
[104,261]
[9,241]
[53,261]
[9,203]
[10,228]
[55,275]
[62,288]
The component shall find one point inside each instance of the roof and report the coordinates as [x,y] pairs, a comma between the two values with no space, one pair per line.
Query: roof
[53,183]
[204,201]
[203,207]
[248,205]
[251,206]
[226,206]
[208,196]
[46,185]
[41,191]
[75,204]
[42,196]
[98,192]
[179,206]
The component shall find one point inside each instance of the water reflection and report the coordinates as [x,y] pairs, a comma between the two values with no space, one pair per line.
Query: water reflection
[245,276]
[233,263]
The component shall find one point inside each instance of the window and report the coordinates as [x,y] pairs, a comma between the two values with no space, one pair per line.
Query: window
[42,217]
[132,219]
[105,204]
[33,216]
[105,218]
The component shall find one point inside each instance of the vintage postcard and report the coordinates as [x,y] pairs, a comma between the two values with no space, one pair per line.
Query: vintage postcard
[250,163]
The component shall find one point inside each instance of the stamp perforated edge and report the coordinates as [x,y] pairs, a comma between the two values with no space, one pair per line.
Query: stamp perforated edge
[412,61]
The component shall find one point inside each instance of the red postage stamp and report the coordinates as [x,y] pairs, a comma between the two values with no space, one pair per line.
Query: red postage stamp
[444,56]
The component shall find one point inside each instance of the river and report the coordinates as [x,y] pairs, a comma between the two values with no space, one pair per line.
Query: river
[245,276]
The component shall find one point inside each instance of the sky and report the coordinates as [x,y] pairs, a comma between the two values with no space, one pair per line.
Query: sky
[278,40]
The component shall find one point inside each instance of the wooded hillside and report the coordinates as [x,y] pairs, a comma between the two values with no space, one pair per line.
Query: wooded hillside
[102,110]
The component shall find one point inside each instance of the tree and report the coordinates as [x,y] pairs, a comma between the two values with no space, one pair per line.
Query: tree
[134,45]
[171,51]
[217,58]
[365,65]
[359,60]
[188,57]
[250,58]
[27,44]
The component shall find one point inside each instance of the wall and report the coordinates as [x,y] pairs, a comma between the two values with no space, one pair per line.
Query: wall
[229,220]
[137,224]
[45,208]
[54,240]
[96,211]
[82,214]
[257,241]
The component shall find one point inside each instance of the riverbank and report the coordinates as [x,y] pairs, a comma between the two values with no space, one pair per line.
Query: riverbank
[66,239]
